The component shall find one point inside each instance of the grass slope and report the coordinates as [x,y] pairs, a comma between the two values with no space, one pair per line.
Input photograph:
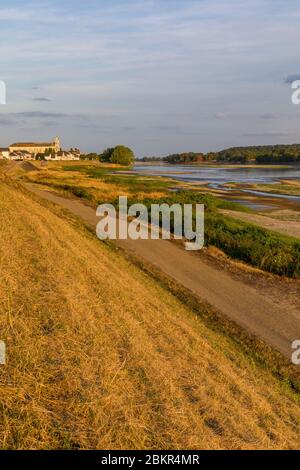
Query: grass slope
[101,356]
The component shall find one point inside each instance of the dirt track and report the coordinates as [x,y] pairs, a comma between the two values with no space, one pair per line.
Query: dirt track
[277,323]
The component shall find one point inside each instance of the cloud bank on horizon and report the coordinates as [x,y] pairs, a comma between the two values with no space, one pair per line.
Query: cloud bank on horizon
[160,76]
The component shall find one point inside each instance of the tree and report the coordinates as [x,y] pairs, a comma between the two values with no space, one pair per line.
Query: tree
[49,152]
[106,155]
[91,156]
[122,156]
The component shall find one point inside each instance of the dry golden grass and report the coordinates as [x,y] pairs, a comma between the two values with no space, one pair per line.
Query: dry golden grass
[99,189]
[79,163]
[101,356]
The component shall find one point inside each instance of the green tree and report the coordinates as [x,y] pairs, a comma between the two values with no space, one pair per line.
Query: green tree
[122,156]
[106,155]
[91,156]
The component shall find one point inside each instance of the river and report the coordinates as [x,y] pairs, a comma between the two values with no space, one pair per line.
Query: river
[221,175]
[216,177]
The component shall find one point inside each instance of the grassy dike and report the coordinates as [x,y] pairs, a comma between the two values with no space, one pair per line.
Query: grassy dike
[101,355]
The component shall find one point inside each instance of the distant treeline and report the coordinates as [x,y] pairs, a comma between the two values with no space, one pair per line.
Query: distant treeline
[190,157]
[259,154]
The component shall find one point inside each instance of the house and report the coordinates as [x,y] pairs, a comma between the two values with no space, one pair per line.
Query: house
[14,156]
[72,154]
[4,153]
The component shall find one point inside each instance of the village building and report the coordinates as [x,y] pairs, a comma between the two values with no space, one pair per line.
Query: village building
[50,151]
[72,154]
[36,147]
[4,152]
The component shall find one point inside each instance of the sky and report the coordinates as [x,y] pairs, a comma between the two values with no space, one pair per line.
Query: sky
[160,76]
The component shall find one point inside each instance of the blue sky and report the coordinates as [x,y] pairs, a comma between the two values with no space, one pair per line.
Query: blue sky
[160,76]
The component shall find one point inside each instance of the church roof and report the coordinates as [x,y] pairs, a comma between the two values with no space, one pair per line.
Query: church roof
[33,144]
